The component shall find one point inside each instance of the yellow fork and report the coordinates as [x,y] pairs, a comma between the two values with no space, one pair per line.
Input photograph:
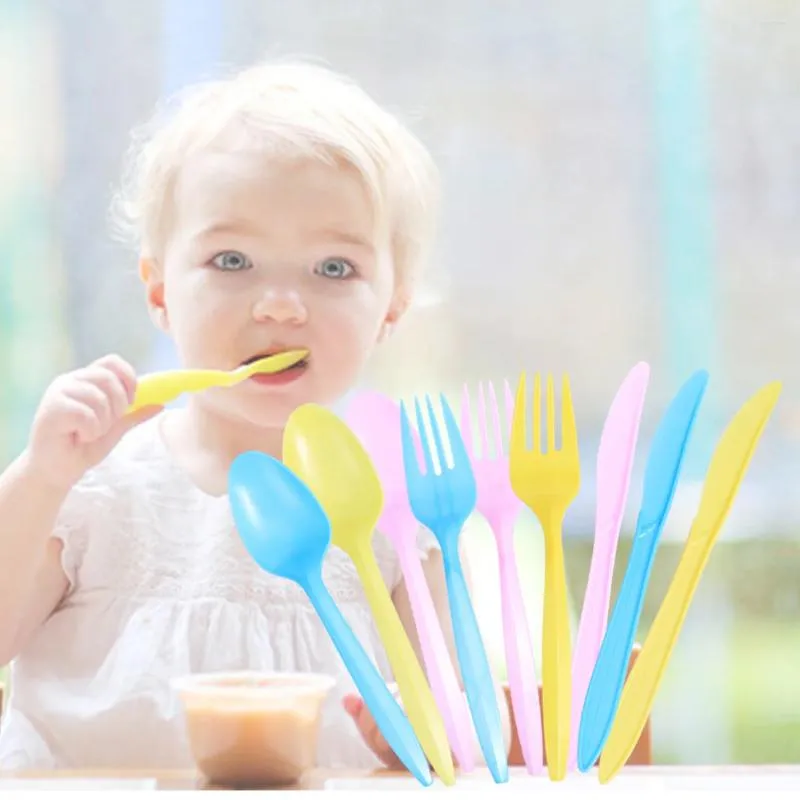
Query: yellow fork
[548,482]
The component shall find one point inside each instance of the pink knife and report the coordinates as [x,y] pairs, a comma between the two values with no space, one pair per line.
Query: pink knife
[614,463]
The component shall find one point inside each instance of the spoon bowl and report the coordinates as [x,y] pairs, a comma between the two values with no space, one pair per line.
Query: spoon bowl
[273,544]
[329,457]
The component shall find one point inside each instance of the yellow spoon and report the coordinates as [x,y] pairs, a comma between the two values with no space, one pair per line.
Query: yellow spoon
[160,388]
[728,466]
[323,452]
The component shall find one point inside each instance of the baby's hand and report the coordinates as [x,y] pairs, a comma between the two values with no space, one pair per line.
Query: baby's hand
[81,418]
[369,731]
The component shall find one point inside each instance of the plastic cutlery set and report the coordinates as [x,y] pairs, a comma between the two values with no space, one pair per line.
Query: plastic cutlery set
[393,467]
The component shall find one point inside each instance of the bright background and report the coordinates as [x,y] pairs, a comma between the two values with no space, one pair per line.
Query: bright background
[622,184]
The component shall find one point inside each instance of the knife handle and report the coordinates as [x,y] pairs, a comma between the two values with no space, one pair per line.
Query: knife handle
[642,684]
[605,686]
[591,627]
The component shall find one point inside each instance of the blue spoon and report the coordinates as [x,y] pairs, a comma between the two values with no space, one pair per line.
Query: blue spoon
[286,531]
[660,479]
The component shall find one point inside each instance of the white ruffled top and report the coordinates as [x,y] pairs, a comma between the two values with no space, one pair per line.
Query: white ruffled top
[161,586]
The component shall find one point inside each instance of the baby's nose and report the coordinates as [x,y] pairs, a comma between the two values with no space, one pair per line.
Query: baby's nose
[280,305]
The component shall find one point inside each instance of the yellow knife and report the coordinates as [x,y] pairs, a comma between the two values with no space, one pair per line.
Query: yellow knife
[728,466]
[160,388]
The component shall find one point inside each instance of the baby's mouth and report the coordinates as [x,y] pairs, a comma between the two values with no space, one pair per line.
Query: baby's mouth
[298,365]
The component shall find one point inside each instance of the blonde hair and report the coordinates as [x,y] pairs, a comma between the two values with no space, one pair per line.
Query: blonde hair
[290,109]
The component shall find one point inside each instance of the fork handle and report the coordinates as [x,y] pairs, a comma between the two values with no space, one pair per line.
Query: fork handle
[520,661]
[438,663]
[475,670]
[556,655]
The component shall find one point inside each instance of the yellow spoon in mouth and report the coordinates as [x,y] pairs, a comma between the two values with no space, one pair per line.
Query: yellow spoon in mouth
[160,388]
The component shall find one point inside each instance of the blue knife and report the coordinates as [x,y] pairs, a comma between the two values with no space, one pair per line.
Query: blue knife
[660,480]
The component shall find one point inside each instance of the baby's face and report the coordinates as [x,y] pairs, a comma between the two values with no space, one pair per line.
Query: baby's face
[263,256]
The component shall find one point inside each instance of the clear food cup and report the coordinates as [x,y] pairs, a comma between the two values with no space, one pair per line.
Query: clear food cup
[253,729]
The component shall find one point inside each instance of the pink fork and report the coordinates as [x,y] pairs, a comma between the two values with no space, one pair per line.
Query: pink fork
[500,507]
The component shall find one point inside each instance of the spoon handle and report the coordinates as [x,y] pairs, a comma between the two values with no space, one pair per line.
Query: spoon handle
[161,388]
[475,670]
[386,712]
[415,693]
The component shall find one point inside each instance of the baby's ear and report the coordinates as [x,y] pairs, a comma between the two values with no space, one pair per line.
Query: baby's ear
[398,307]
[150,274]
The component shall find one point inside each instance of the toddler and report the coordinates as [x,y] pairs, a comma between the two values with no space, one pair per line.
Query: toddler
[278,208]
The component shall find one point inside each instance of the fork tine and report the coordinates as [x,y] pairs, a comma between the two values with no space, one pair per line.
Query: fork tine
[423,436]
[410,460]
[509,405]
[456,441]
[569,433]
[537,413]
[519,434]
[551,414]
[498,430]
[482,421]
[437,435]
[466,421]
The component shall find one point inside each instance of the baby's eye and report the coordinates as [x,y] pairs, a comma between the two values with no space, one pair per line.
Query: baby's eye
[336,268]
[231,261]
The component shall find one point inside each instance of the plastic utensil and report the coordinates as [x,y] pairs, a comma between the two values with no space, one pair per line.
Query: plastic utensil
[615,458]
[500,507]
[442,498]
[548,482]
[286,532]
[375,419]
[660,480]
[729,463]
[160,388]
[321,450]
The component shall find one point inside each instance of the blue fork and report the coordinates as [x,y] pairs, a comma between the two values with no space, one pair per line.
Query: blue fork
[442,501]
